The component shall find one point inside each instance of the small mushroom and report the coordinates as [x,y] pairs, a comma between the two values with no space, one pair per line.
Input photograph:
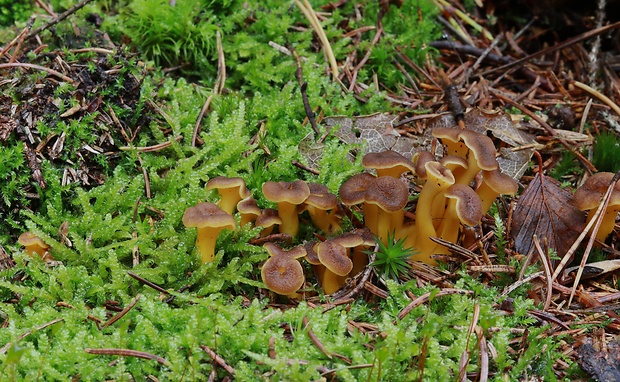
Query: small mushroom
[353,192]
[388,163]
[210,220]
[249,210]
[318,203]
[288,195]
[439,179]
[420,158]
[495,183]
[464,207]
[231,191]
[463,143]
[589,196]
[33,245]
[282,273]
[268,219]
[386,198]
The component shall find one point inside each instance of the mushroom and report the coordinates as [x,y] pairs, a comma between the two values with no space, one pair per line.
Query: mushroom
[318,203]
[463,143]
[282,273]
[328,280]
[231,191]
[334,254]
[268,219]
[420,158]
[249,210]
[495,183]
[439,179]
[353,192]
[34,245]
[288,195]
[210,220]
[464,206]
[589,196]
[388,163]
[386,198]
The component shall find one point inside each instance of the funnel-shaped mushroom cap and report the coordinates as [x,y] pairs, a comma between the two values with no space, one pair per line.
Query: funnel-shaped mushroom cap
[468,208]
[207,215]
[290,192]
[389,193]
[282,273]
[590,194]
[335,257]
[458,142]
[353,191]
[420,159]
[388,163]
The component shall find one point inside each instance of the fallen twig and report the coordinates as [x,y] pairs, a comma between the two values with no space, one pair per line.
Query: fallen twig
[129,353]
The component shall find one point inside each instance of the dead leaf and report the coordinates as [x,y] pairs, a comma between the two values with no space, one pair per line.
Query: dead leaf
[592,270]
[546,210]
[376,130]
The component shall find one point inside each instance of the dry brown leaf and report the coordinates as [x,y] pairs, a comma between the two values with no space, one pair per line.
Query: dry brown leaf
[546,210]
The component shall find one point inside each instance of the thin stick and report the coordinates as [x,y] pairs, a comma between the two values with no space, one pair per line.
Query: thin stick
[315,340]
[221,64]
[38,67]
[148,283]
[146,149]
[426,297]
[219,360]
[58,19]
[29,332]
[129,353]
[598,95]
[204,109]
[547,267]
[122,312]
[307,10]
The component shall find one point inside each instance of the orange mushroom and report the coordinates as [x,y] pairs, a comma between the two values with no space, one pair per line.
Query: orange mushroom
[231,190]
[288,195]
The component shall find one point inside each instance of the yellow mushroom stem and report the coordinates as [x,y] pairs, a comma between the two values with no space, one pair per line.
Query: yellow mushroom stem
[229,199]
[205,241]
[371,212]
[439,179]
[290,220]
[608,221]
[331,282]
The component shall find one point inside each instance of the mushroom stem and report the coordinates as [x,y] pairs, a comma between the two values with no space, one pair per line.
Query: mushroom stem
[331,282]
[290,220]
[439,179]
[205,241]
[608,222]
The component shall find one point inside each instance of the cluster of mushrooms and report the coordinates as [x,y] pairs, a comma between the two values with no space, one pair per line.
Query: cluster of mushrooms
[446,203]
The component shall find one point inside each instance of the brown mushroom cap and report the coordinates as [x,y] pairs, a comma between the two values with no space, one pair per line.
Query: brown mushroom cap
[231,190]
[311,256]
[290,192]
[390,194]
[353,191]
[207,214]
[458,141]
[590,194]
[249,210]
[420,159]
[28,239]
[35,245]
[268,219]
[468,205]
[495,183]
[282,273]
[452,162]
[388,163]
[320,197]
[335,257]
